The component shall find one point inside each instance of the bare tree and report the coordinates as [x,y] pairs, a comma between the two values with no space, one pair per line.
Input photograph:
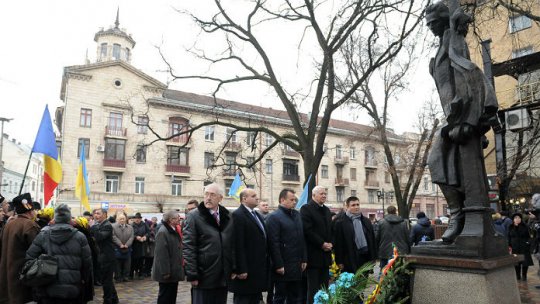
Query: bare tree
[405,160]
[381,26]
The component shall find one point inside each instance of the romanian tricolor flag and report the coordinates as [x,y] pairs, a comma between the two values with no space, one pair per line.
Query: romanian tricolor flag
[236,187]
[82,191]
[46,143]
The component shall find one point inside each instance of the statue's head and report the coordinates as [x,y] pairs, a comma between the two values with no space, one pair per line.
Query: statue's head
[536,201]
[437,18]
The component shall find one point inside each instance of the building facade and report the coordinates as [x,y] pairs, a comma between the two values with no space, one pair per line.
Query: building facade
[129,123]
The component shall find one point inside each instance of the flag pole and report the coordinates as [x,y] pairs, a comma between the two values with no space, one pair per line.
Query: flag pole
[25,171]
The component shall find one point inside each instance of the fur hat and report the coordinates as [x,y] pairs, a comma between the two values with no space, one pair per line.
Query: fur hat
[62,214]
[23,203]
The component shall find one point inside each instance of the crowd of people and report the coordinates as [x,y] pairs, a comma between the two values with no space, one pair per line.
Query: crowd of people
[248,251]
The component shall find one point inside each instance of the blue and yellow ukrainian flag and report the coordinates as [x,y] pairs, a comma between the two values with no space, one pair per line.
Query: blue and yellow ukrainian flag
[82,191]
[236,187]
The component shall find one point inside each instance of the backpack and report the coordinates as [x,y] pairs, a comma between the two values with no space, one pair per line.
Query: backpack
[42,270]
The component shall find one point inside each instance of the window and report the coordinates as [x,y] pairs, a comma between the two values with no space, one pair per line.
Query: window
[139,185]
[231,134]
[249,161]
[141,154]
[522,52]
[339,152]
[387,177]
[33,186]
[290,167]
[176,187]
[127,54]
[230,162]
[86,142]
[339,172]
[250,140]
[177,156]
[103,52]
[324,171]
[352,153]
[209,133]
[353,174]
[111,183]
[115,123]
[142,124]
[340,193]
[371,196]
[178,125]
[268,140]
[208,159]
[426,184]
[86,118]
[518,23]
[370,156]
[115,148]
[59,148]
[269,167]
[397,159]
[325,147]
[228,184]
[353,192]
[116,51]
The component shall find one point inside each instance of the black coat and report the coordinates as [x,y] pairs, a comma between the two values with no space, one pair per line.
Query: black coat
[204,246]
[287,245]
[519,240]
[249,253]
[345,246]
[317,230]
[392,230]
[140,229]
[167,256]
[103,233]
[71,249]
[422,229]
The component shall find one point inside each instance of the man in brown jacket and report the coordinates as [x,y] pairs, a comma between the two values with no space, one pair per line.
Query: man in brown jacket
[17,237]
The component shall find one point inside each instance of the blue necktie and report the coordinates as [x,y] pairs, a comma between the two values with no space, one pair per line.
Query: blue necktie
[258,222]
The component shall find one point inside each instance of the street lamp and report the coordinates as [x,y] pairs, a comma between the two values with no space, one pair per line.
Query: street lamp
[384,195]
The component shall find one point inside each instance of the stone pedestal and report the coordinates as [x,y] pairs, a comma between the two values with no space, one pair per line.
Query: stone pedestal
[450,280]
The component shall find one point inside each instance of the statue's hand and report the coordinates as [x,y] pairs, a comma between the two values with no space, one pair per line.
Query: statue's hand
[461,133]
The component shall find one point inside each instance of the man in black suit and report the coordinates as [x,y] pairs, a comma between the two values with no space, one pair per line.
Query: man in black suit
[316,219]
[250,258]
[102,233]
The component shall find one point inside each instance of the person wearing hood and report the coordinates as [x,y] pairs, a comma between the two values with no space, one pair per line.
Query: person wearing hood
[519,241]
[422,231]
[71,248]
[392,230]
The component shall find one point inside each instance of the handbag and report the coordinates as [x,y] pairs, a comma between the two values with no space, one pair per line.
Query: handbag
[42,270]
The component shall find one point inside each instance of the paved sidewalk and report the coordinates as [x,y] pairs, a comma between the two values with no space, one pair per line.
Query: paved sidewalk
[145,291]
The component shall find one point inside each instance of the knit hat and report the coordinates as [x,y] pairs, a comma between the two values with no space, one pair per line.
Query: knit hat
[62,214]
[23,203]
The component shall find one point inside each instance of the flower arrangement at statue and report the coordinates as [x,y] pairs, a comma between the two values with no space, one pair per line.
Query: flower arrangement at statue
[348,288]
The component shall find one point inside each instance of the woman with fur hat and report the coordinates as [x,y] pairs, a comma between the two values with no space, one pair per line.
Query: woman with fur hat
[74,259]
[519,240]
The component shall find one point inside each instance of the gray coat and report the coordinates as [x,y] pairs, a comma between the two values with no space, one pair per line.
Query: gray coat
[392,229]
[74,259]
[167,265]
[122,235]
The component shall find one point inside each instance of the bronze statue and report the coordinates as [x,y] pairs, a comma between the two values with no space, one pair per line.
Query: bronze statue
[468,100]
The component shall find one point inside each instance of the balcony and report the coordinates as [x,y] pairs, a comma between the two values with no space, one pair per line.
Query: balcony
[232,146]
[370,163]
[290,179]
[115,131]
[177,169]
[528,92]
[290,153]
[371,184]
[229,173]
[343,160]
[118,165]
[179,139]
[341,182]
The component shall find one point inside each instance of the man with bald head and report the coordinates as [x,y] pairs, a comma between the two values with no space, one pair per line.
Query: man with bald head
[250,258]
[316,219]
[206,234]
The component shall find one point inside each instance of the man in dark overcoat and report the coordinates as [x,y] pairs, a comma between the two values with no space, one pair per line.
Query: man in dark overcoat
[17,236]
[354,238]
[250,259]
[316,219]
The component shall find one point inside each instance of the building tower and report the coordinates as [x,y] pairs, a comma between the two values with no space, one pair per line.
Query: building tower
[114,43]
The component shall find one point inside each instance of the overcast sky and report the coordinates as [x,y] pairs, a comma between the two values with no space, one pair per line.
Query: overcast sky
[40,38]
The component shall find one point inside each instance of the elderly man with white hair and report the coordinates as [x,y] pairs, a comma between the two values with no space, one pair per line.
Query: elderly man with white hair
[206,235]
[316,219]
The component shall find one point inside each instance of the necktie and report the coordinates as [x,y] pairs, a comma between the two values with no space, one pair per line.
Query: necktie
[258,222]
[216,217]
